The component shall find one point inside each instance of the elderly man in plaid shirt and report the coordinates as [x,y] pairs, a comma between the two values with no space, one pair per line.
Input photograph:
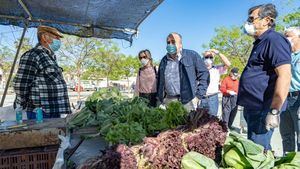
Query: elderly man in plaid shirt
[39,81]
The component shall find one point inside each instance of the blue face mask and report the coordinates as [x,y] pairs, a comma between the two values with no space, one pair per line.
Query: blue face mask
[171,49]
[55,45]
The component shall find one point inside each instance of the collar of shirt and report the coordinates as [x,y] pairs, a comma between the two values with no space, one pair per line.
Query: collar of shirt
[48,51]
[263,36]
[296,53]
[179,56]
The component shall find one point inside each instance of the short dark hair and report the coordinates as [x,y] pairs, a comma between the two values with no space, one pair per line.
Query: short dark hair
[266,10]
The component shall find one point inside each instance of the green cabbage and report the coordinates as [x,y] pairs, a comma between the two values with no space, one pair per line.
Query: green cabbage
[194,160]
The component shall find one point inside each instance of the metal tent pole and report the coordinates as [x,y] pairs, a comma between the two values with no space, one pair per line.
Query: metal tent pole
[13,66]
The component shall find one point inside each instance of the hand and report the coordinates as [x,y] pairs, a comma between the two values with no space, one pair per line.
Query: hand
[231,93]
[215,51]
[162,106]
[272,121]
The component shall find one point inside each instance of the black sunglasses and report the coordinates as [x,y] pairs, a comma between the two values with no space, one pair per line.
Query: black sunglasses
[251,19]
[208,57]
[171,42]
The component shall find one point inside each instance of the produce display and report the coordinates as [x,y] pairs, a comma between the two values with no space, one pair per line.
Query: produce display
[194,160]
[240,153]
[143,137]
[167,149]
[126,121]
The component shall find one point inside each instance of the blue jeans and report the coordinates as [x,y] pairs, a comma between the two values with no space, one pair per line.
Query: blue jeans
[211,103]
[290,125]
[257,131]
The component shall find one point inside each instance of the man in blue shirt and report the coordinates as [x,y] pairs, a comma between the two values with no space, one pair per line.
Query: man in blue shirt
[290,119]
[265,81]
[182,74]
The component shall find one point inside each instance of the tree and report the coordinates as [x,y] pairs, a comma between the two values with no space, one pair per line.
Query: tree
[233,43]
[26,45]
[75,54]
[292,19]
[129,66]
[6,57]
[106,61]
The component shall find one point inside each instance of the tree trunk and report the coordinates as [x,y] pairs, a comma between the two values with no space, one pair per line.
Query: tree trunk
[128,84]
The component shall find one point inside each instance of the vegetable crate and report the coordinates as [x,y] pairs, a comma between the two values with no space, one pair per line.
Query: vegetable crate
[29,158]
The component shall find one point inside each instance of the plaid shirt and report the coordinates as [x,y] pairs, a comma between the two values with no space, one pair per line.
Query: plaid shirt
[39,82]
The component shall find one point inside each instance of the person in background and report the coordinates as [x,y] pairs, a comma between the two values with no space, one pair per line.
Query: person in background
[146,78]
[229,88]
[39,82]
[290,119]
[182,74]
[211,99]
[265,81]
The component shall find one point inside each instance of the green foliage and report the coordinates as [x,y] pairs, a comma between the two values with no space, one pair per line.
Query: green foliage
[194,160]
[175,115]
[292,19]
[123,120]
[126,133]
[233,43]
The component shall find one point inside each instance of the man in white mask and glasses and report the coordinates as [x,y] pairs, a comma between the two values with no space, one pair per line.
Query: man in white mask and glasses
[265,81]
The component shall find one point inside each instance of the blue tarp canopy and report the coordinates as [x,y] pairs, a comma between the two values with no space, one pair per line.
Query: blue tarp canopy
[85,18]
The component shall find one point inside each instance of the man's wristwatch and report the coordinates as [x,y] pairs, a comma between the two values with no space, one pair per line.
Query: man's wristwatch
[217,53]
[275,111]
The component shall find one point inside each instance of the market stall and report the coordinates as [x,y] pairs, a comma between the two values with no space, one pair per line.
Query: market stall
[29,143]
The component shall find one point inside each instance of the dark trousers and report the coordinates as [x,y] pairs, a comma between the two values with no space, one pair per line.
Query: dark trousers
[257,131]
[229,109]
[151,97]
[32,115]
[290,125]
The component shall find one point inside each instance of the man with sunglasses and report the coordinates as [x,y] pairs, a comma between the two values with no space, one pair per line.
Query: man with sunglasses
[182,74]
[265,81]
[39,81]
[211,99]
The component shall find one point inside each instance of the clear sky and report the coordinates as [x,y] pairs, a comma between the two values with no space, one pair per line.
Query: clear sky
[195,20]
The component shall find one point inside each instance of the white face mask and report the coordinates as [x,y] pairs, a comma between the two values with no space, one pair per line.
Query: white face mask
[208,62]
[144,61]
[249,29]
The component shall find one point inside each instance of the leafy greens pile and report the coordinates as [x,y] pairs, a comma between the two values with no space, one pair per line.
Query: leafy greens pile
[126,121]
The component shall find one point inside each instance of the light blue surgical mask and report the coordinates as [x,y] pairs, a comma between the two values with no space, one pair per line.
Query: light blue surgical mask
[55,45]
[171,49]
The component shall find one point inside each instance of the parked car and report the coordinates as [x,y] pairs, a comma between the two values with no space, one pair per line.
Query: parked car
[86,85]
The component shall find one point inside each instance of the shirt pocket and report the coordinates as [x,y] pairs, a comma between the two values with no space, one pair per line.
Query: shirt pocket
[53,75]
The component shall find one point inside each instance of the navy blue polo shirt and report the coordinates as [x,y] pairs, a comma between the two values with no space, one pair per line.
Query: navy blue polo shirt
[257,82]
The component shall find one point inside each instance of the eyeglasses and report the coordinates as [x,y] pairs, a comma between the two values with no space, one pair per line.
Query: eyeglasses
[251,19]
[142,57]
[208,57]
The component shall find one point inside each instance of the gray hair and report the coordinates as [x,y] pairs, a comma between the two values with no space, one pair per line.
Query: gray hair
[294,29]
[171,34]
[266,10]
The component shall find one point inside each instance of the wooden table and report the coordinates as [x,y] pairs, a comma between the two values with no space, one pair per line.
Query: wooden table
[33,135]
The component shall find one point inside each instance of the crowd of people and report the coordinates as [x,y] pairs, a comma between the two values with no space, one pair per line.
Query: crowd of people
[267,89]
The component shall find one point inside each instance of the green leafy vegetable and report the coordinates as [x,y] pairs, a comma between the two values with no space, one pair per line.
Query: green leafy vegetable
[194,160]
